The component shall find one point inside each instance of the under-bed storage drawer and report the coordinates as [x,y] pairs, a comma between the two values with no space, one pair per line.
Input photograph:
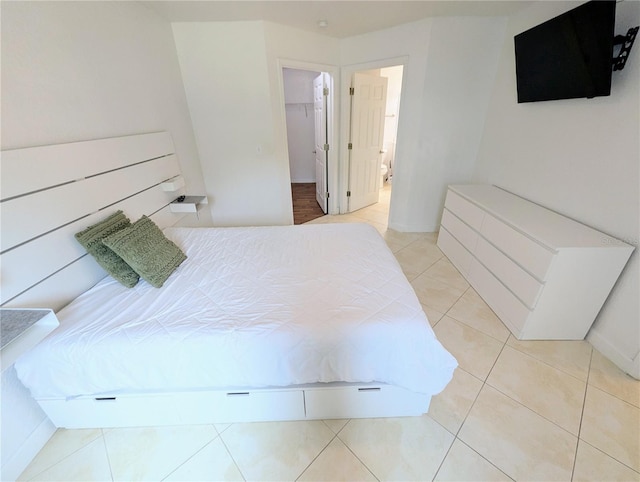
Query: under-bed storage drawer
[176,408]
[244,406]
[365,401]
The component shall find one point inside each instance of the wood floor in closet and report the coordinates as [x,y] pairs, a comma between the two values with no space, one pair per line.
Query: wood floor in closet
[305,206]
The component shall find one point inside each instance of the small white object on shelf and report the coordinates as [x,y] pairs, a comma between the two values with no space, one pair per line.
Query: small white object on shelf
[173,184]
[188,205]
[22,329]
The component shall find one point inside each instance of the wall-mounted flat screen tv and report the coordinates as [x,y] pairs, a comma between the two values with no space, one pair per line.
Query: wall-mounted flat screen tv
[569,56]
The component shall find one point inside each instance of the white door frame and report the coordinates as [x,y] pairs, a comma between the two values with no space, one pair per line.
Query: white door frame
[333,100]
[345,116]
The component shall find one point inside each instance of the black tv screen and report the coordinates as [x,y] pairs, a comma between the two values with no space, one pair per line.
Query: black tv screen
[569,56]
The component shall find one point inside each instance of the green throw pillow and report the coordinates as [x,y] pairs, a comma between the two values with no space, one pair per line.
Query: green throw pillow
[146,249]
[91,239]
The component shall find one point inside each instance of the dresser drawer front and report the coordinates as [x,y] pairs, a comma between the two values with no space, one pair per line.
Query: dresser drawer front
[465,210]
[508,308]
[527,253]
[457,254]
[463,233]
[521,283]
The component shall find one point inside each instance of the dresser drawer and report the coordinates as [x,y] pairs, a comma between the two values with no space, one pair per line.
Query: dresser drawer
[465,210]
[521,283]
[457,254]
[463,233]
[508,308]
[532,256]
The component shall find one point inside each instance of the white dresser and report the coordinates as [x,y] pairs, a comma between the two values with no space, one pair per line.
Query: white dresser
[545,275]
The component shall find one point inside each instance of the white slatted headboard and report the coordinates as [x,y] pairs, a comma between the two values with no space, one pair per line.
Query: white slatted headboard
[50,193]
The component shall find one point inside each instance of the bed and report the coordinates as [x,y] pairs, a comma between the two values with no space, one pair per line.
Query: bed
[258,323]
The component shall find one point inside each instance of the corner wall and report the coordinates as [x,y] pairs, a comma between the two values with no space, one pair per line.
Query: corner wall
[447,80]
[74,71]
[579,157]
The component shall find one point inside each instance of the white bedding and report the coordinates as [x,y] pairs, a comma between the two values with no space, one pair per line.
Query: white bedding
[250,307]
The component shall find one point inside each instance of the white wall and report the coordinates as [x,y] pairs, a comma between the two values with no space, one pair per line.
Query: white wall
[299,106]
[233,83]
[77,71]
[579,157]
[447,84]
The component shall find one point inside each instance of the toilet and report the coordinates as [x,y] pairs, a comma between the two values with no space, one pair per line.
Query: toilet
[383,173]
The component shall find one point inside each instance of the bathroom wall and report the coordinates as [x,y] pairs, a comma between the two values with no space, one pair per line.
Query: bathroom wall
[298,96]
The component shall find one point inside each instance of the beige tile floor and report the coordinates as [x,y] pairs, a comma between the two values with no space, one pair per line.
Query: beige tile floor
[515,410]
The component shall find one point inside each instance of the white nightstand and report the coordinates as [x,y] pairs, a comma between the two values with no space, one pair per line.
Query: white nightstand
[22,329]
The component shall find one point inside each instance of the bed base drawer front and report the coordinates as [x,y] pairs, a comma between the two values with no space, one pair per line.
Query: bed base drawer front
[242,406]
[175,409]
[108,412]
[456,252]
[364,402]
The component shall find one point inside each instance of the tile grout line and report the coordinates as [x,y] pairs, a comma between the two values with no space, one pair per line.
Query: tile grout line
[230,454]
[584,403]
[106,451]
[319,453]
[484,382]
[61,459]
[354,454]
[196,452]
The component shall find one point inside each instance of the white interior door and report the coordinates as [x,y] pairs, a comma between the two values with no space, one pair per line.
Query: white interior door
[368,105]
[321,138]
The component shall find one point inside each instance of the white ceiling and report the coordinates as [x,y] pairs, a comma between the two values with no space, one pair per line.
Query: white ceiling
[346,18]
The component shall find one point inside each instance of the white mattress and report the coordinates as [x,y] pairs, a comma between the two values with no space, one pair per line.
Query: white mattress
[250,307]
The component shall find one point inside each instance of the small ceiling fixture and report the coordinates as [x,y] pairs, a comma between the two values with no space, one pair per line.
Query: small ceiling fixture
[323,23]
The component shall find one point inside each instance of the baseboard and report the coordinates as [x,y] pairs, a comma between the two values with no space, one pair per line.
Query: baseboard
[303,181]
[631,366]
[27,452]
[413,228]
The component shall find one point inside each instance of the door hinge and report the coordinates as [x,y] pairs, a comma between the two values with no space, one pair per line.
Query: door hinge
[351,91]
[348,193]
[350,146]
[327,194]
[326,147]
[325,91]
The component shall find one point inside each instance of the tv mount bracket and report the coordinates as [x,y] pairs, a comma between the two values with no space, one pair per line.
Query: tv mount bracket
[626,41]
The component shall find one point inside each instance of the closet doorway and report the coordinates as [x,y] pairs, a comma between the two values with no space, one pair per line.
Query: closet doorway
[306,94]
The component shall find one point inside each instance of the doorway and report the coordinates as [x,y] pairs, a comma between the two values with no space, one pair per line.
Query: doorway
[306,94]
[373,126]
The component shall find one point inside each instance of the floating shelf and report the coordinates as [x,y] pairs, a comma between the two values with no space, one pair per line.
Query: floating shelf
[188,205]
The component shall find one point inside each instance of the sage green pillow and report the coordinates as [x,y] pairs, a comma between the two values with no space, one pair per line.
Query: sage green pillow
[147,250]
[91,239]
